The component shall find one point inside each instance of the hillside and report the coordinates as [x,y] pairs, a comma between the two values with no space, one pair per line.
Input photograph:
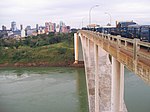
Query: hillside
[41,50]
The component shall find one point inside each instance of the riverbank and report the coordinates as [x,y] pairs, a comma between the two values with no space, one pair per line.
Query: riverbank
[43,64]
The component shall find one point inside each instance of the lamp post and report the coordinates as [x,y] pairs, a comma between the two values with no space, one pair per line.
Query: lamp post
[90,13]
[109,17]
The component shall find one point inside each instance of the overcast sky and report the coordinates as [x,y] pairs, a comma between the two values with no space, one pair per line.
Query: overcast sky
[72,12]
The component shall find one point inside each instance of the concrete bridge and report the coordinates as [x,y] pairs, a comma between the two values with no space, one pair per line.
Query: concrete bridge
[105,57]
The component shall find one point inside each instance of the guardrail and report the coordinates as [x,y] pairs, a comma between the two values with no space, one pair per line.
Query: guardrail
[132,45]
[133,53]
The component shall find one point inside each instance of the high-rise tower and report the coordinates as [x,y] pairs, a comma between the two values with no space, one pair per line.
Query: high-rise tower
[4,28]
[13,26]
[21,27]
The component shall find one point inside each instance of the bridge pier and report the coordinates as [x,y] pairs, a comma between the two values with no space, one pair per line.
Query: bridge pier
[117,94]
[97,103]
[122,88]
[76,48]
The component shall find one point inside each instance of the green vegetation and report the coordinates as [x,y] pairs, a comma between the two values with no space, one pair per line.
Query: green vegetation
[52,49]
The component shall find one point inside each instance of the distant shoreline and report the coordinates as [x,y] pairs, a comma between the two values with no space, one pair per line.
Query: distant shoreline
[41,64]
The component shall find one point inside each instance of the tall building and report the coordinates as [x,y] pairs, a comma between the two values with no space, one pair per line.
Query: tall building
[23,33]
[21,27]
[4,28]
[37,27]
[50,27]
[13,26]
[61,24]
[46,27]
[65,29]
[57,28]
[54,27]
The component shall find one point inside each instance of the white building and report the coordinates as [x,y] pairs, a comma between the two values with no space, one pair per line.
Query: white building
[57,28]
[13,26]
[23,33]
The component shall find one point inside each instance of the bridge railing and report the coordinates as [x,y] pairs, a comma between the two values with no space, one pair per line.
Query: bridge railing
[133,53]
[132,45]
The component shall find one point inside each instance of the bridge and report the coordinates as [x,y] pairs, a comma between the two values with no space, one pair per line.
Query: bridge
[105,57]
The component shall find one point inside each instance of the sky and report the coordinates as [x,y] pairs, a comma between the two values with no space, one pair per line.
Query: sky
[74,13]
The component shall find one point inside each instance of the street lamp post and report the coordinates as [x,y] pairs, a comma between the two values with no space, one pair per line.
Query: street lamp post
[109,16]
[90,13]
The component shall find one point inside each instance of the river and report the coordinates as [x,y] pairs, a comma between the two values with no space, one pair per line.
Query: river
[58,89]
[43,90]
[137,93]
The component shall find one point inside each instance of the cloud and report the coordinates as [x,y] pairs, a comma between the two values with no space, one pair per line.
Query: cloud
[72,11]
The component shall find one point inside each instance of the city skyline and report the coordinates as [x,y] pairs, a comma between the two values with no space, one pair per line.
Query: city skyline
[16,27]
[73,13]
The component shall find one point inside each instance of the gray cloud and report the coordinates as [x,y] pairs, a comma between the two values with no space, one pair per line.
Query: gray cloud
[72,11]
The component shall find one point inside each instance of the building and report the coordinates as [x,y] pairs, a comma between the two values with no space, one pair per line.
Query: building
[57,28]
[61,24]
[4,28]
[31,32]
[41,30]
[23,34]
[9,32]
[37,27]
[28,28]
[21,27]
[54,27]
[46,27]
[5,33]
[51,27]
[13,26]
[65,29]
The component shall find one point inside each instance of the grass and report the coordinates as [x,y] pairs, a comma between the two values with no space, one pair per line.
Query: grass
[54,53]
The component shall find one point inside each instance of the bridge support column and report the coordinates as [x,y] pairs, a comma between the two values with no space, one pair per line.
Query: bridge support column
[97,103]
[117,94]
[121,88]
[76,48]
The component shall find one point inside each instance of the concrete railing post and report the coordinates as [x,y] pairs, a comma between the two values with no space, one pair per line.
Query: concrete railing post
[119,41]
[136,48]
[86,42]
[126,43]
[109,41]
